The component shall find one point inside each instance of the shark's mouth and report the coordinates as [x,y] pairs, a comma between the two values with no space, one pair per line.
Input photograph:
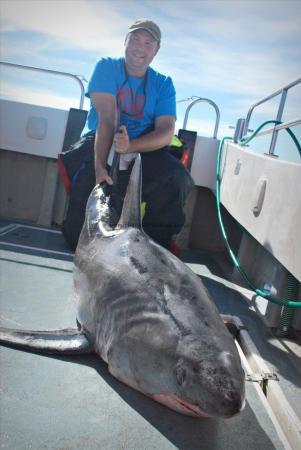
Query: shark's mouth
[179,405]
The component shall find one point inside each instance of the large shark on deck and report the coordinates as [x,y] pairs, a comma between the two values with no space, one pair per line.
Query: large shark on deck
[146,314]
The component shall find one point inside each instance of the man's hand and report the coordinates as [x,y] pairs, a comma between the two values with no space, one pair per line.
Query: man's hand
[122,141]
[102,176]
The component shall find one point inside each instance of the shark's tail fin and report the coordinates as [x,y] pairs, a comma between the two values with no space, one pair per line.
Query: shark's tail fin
[69,341]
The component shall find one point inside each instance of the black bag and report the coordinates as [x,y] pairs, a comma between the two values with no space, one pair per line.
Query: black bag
[73,161]
[76,167]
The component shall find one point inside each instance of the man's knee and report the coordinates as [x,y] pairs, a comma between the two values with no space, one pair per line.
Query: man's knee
[180,180]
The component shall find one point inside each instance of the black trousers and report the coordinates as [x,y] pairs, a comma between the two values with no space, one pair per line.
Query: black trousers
[165,186]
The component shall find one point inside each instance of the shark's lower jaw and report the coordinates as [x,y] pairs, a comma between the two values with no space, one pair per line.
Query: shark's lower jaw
[189,409]
[175,403]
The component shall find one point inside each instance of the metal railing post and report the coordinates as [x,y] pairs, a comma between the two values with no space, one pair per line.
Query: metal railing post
[239,129]
[205,100]
[279,117]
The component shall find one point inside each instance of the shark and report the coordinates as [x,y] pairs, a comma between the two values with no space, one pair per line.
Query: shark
[145,313]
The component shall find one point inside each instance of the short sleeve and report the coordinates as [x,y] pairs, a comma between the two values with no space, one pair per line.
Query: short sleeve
[166,100]
[102,78]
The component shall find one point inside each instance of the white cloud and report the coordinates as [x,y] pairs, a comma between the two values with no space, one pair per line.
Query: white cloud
[217,67]
[85,24]
[235,52]
[37,96]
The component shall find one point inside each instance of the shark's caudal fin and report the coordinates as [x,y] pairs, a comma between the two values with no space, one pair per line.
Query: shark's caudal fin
[131,210]
[102,217]
[69,341]
[101,211]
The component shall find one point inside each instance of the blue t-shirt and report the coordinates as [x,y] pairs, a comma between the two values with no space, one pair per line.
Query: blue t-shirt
[140,100]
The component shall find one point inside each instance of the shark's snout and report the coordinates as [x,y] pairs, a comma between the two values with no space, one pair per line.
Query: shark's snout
[232,403]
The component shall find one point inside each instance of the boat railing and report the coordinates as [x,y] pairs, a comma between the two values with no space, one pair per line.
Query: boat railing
[78,78]
[204,100]
[243,124]
[281,126]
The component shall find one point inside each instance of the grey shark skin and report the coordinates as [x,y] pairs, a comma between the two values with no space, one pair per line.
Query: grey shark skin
[149,317]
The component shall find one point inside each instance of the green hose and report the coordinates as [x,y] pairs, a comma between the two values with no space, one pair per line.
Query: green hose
[287,314]
[245,141]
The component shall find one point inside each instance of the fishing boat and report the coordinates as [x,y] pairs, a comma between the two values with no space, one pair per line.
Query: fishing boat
[242,236]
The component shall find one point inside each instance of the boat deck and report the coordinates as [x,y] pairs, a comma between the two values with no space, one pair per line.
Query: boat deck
[51,402]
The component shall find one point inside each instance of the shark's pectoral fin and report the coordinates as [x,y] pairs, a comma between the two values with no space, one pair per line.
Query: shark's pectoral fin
[69,341]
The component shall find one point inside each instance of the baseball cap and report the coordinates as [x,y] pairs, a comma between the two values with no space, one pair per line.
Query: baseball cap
[148,25]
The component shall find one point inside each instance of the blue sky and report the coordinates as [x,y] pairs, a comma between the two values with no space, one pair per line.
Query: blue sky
[233,52]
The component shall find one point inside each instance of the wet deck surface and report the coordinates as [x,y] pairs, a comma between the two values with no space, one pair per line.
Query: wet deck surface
[74,403]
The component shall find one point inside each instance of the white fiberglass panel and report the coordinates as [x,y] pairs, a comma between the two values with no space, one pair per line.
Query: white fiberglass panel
[263,194]
[32,129]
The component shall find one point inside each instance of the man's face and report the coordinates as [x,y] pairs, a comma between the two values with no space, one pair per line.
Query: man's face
[140,49]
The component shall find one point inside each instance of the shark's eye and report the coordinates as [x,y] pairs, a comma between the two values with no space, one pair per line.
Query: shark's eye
[180,375]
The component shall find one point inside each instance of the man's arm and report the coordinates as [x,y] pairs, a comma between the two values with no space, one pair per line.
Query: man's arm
[105,106]
[158,138]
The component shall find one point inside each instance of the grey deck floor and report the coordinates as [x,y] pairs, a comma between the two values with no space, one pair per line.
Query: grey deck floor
[74,403]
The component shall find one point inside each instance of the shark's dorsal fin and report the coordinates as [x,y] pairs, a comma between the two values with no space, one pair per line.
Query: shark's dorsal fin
[131,210]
